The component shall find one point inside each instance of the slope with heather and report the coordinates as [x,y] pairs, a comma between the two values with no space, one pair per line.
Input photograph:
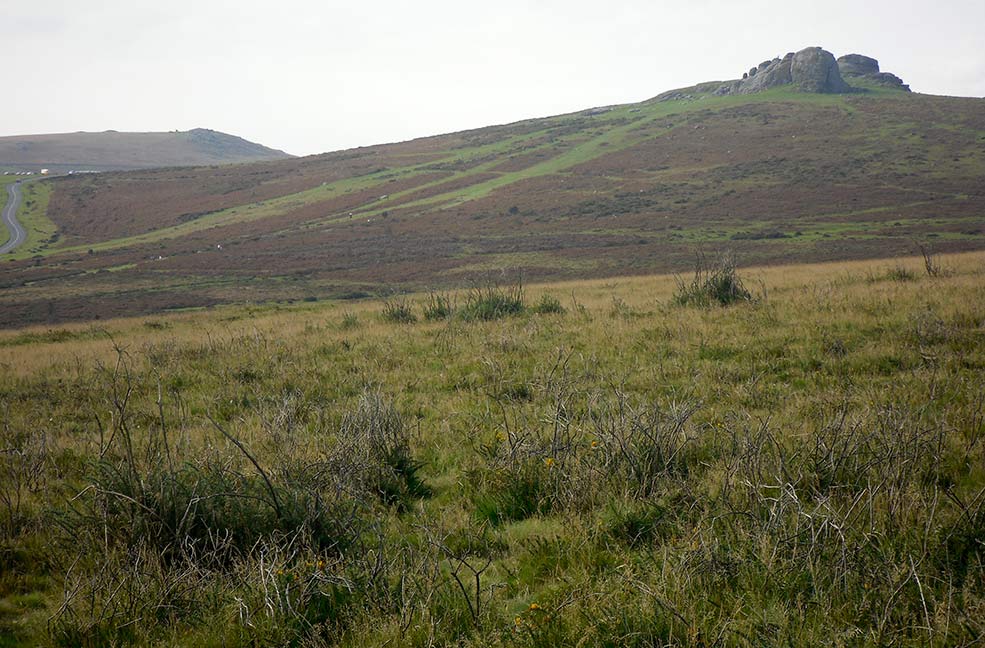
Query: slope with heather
[776,176]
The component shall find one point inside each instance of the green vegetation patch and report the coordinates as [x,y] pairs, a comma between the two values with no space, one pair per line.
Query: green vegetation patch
[32,214]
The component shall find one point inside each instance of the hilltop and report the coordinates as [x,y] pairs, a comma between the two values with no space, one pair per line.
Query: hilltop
[778,175]
[814,70]
[112,150]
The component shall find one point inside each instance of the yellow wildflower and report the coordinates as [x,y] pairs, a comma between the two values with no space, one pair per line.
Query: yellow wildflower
[549,461]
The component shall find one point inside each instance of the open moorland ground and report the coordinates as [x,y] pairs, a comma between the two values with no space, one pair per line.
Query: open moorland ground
[777,177]
[613,462]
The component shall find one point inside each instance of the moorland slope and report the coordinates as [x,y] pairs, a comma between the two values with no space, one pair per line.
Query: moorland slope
[775,173]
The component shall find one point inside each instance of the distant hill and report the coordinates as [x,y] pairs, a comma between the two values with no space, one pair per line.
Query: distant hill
[810,158]
[115,151]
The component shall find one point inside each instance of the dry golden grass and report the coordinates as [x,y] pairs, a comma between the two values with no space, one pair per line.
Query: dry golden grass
[644,473]
[288,322]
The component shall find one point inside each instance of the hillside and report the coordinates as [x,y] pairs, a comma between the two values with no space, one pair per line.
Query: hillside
[111,150]
[863,168]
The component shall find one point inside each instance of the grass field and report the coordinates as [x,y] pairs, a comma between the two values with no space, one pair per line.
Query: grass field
[587,463]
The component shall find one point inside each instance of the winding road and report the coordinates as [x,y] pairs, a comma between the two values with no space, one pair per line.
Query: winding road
[17,233]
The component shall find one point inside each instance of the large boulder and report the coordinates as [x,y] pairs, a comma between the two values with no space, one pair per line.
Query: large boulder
[857,65]
[815,70]
[776,73]
[890,80]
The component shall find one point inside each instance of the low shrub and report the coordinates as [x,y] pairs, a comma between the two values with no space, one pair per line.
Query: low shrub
[932,263]
[374,453]
[524,475]
[209,512]
[636,447]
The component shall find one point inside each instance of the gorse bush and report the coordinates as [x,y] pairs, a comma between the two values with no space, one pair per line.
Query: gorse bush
[209,513]
[373,453]
[101,606]
[636,447]
[194,519]
[23,461]
[633,453]
[716,284]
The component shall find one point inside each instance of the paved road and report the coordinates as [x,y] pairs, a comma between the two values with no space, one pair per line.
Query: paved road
[17,233]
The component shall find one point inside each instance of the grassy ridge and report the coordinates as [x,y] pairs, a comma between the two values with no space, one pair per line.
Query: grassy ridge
[577,464]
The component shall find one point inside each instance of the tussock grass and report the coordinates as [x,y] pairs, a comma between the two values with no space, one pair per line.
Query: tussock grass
[398,310]
[438,307]
[492,302]
[549,305]
[718,283]
[805,470]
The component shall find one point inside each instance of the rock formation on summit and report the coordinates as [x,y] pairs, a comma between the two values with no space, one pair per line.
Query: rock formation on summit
[811,70]
[857,65]
[815,70]
[864,67]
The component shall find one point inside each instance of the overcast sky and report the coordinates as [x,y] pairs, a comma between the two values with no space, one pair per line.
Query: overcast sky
[310,76]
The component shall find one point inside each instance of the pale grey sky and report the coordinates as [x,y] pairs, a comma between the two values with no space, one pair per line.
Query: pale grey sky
[310,77]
